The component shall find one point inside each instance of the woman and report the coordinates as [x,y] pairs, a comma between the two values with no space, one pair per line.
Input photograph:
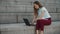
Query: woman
[41,16]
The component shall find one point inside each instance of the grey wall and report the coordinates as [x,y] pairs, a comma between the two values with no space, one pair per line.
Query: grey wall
[11,9]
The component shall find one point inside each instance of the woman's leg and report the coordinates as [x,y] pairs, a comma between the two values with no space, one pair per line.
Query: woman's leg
[41,28]
[42,24]
[37,31]
[41,32]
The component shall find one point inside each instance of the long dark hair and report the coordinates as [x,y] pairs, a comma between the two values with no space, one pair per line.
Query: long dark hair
[35,10]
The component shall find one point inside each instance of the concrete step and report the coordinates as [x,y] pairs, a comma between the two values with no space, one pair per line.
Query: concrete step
[21,28]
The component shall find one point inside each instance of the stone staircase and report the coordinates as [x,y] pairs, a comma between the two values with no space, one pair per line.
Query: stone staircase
[13,11]
[21,28]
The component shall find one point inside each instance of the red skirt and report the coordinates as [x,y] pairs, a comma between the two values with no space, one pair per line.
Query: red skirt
[42,22]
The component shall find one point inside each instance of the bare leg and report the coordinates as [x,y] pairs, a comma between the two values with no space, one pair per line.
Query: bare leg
[37,31]
[41,32]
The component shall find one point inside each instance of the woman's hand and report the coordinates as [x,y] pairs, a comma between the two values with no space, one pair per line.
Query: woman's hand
[33,21]
[37,19]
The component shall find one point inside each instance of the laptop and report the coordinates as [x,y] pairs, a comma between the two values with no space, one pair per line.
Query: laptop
[27,22]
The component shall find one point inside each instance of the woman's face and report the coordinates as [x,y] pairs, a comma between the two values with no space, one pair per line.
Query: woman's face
[36,6]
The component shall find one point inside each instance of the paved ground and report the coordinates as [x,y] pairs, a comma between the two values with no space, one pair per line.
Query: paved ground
[21,28]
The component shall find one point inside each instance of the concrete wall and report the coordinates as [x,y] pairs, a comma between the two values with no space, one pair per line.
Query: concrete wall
[11,9]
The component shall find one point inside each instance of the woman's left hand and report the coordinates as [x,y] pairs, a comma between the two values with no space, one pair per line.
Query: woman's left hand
[36,19]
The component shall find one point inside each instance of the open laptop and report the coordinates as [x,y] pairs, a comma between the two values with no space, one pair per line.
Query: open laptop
[27,22]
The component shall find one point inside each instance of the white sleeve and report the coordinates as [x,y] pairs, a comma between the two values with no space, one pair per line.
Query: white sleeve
[43,9]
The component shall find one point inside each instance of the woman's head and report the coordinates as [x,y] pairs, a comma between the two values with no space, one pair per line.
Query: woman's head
[37,5]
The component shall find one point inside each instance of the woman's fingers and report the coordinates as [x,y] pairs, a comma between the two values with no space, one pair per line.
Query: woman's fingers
[33,21]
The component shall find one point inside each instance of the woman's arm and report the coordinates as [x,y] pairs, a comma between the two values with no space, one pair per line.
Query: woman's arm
[34,18]
[42,14]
